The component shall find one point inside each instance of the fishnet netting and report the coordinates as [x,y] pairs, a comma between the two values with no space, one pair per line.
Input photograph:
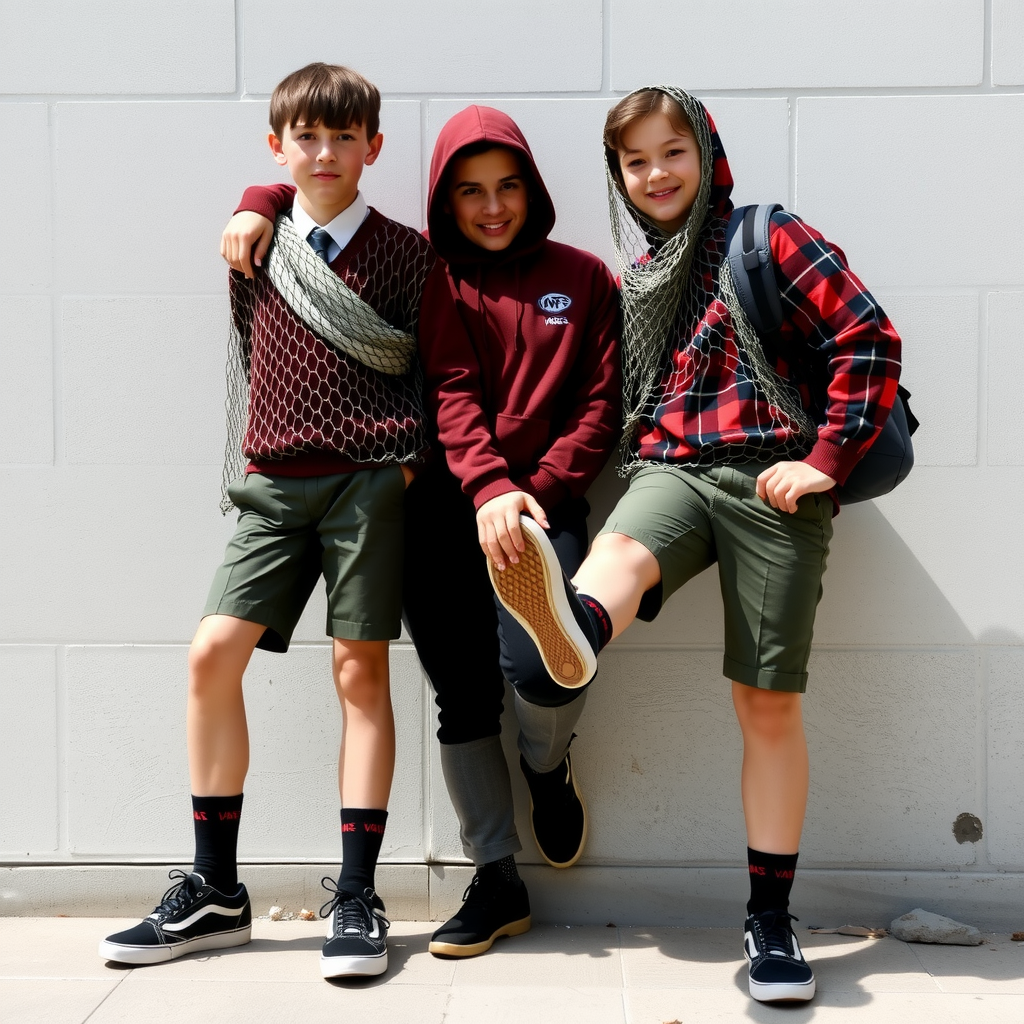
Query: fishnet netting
[685,336]
[314,367]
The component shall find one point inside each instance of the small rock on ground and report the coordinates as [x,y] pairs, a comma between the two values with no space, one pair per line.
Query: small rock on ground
[923,926]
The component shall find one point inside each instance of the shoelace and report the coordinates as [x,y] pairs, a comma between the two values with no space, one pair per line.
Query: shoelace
[356,911]
[477,893]
[472,890]
[777,932]
[178,896]
[481,892]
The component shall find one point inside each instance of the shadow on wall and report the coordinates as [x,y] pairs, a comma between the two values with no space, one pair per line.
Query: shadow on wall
[877,592]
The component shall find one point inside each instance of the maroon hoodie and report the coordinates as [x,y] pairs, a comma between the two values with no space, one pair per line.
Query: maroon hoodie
[527,396]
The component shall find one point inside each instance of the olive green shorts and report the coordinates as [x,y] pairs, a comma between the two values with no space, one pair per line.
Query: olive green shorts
[291,530]
[770,563]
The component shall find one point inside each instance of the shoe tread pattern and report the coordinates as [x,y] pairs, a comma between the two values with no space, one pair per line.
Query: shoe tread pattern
[525,588]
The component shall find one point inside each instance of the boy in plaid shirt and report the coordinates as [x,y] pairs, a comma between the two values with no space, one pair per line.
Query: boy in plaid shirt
[720,472]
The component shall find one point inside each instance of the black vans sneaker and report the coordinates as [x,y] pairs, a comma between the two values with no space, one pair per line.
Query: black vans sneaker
[192,916]
[558,814]
[357,934]
[778,971]
[492,907]
[540,598]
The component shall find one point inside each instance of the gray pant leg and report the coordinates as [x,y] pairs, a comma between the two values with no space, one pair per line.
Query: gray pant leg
[544,733]
[476,774]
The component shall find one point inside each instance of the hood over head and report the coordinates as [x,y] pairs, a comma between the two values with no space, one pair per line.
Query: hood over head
[716,176]
[483,124]
[659,272]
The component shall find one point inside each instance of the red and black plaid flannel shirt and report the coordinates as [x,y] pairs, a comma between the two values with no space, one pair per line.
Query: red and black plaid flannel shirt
[703,405]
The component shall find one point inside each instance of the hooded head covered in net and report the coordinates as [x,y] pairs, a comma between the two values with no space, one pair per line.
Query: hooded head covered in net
[686,344]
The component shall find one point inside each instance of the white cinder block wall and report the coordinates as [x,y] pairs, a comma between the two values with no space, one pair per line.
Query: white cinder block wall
[129,131]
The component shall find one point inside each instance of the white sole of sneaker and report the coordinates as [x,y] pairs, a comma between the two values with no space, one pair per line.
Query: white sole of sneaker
[777,993]
[781,993]
[161,954]
[353,966]
[533,592]
[451,949]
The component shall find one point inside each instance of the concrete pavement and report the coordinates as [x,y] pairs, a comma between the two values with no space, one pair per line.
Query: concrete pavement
[50,974]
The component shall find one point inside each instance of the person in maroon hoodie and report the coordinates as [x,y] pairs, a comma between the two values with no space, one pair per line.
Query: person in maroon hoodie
[521,361]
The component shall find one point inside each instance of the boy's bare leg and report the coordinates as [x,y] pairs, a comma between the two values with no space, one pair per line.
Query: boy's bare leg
[207,908]
[617,572]
[774,786]
[366,762]
[775,772]
[357,940]
[218,736]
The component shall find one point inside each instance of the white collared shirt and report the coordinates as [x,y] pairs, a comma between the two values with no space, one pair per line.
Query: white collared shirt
[341,229]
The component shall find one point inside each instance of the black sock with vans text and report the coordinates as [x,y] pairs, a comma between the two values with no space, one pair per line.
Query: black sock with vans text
[600,618]
[362,832]
[216,820]
[771,879]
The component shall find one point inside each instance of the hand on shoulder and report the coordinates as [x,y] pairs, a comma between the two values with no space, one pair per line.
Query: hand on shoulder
[245,241]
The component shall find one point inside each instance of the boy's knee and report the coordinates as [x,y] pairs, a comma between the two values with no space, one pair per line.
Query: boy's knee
[215,656]
[539,688]
[769,714]
[361,671]
[623,550]
[618,557]
[360,656]
[522,666]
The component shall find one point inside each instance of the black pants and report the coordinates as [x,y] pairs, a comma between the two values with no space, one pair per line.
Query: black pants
[466,641]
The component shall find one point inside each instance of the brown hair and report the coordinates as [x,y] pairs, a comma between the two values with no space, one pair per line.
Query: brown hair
[327,94]
[634,108]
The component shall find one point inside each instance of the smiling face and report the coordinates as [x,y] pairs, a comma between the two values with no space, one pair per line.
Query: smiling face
[488,198]
[325,164]
[660,164]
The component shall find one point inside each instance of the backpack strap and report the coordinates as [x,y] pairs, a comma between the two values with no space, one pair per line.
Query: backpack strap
[749,252]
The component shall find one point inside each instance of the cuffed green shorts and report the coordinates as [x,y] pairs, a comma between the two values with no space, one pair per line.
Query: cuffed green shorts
[347,527]
[770,563]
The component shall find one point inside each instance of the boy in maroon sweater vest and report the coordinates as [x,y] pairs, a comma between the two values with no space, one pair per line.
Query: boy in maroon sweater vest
[325,342]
